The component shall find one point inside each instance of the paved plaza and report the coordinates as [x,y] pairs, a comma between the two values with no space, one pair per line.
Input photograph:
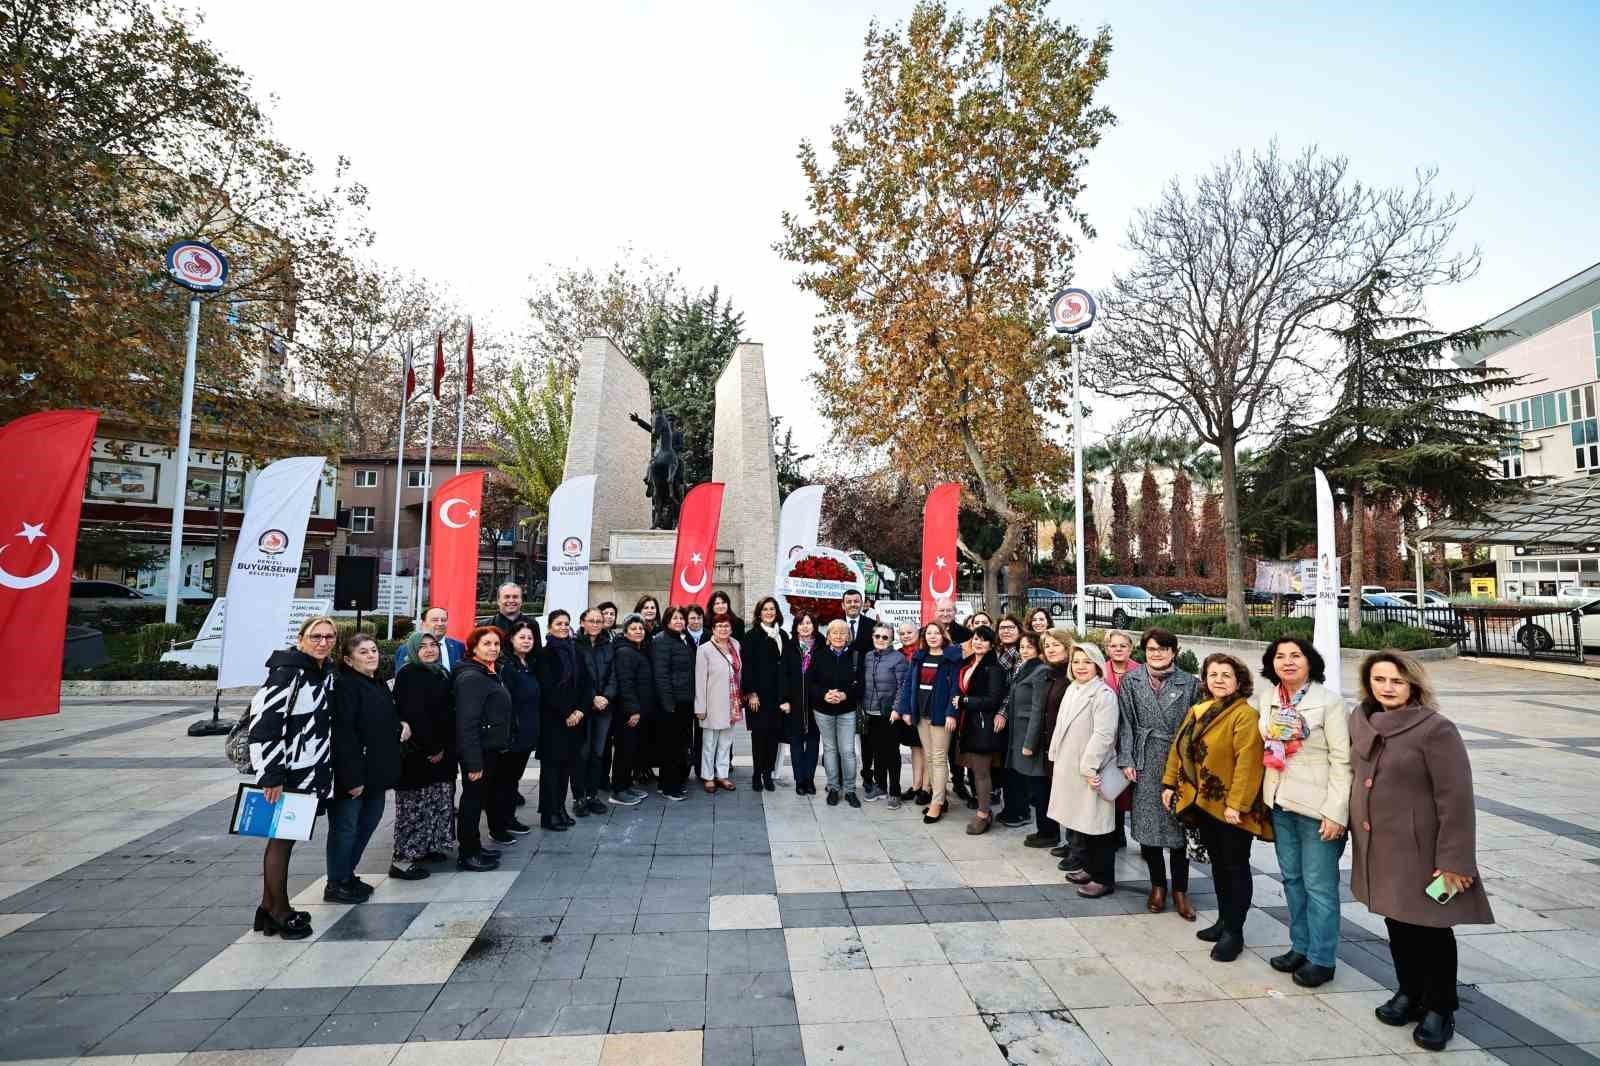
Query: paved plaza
[745,930]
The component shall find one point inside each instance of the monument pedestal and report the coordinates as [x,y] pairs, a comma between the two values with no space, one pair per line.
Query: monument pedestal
[638,562]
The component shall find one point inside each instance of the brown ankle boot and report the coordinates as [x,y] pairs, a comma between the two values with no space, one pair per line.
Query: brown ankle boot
[1185,909]
[1157,901]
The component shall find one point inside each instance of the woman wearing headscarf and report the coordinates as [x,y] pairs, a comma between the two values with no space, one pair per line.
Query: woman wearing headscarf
[290,735]
[565,691]
[766,647]
[1083,750]
[1151,701]
[424,800]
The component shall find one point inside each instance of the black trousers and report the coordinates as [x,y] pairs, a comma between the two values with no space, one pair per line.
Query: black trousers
[1425,964]
[469,808]
[1100,857]
[1230,869]
[627,747]
[764,749]
[880,753]
[1158,868]
[1031,790]
[554,776]
[500,803]
[672,747]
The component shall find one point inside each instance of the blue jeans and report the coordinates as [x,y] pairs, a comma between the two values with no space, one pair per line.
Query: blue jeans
[1310,868]
[839,749]
[351,823]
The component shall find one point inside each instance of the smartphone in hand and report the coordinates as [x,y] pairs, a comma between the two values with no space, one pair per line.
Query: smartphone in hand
[1438,891]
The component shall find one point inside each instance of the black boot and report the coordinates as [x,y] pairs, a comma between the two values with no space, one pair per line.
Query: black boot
[1435,1030]
[1210,934]
[1400,1009]
[1228,946]
[1311,975]
[1288,962]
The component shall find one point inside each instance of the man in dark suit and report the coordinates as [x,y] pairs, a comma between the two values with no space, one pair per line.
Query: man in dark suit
[451,651]
[860,643]
[508,597]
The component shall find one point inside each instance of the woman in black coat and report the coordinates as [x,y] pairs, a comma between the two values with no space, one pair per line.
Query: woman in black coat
[672,659]
[483,730]
[366,763]
[980,701]
[634,689]
[518,667]
[425,798]
[764,651]
[566,692]
[799,723]
[721,606]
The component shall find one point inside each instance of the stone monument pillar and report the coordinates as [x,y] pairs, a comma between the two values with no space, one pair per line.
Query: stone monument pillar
[603,442]
[742,460]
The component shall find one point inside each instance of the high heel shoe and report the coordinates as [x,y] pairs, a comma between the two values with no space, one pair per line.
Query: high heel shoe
[291,927]
[929,819]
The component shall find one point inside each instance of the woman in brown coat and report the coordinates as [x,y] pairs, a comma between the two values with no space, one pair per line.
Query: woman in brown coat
[1413,822]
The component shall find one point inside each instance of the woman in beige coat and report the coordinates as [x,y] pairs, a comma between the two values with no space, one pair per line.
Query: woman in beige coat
[1083,747]
[718,673]
[1308,793]
[1413,820]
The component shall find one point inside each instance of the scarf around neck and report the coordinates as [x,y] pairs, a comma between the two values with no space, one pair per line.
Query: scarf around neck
[567,654]
[1158,677]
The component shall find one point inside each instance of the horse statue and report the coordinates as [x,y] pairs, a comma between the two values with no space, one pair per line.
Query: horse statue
[663,478]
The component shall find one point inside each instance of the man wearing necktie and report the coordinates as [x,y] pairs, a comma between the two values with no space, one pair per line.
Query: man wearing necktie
[860,643]
[451,651]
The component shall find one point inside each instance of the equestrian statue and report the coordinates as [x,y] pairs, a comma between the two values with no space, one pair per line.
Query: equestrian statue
[663,478]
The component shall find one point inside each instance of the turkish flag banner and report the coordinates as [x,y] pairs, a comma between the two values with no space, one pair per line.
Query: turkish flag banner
[695,557]
[453,552]
[939,546]
[41,495]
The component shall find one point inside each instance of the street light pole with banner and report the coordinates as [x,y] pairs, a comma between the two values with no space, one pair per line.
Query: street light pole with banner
[1072,312]
[200,268]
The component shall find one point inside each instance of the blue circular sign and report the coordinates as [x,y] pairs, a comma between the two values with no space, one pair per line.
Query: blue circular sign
[197,265]
[1072,311]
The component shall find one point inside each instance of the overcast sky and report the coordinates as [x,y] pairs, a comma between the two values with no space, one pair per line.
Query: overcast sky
[497,138]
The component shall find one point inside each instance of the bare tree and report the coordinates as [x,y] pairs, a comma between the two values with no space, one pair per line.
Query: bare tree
[1214,328]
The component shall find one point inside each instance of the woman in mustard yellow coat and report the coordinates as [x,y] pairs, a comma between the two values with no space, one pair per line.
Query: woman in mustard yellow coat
[1213,782]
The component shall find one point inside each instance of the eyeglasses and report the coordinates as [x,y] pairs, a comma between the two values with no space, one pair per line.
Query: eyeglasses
[880,636]
[318,638]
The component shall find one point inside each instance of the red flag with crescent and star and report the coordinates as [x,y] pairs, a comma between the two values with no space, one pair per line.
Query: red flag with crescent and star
[41,496]
[939,516]
[453,551]
[694,560]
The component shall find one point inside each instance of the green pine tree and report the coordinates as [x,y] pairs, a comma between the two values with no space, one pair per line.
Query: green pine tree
[1408,427]
[683,347]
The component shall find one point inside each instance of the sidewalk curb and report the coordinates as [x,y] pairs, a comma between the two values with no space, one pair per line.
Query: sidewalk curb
[150,688]
[1587,673]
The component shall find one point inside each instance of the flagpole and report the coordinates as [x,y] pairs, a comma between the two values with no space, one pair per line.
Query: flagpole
[399,485]
[461,398]
[427,486]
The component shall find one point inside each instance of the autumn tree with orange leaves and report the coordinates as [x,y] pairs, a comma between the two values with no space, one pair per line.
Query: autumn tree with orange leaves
[938,222]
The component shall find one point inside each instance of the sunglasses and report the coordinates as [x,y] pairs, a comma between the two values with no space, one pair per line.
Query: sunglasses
[880,636]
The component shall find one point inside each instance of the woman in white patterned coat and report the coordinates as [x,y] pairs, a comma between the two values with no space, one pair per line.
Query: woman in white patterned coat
[290,748]
[1082,748]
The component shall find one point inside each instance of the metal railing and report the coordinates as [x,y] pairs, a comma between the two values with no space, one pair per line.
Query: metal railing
[1522,633]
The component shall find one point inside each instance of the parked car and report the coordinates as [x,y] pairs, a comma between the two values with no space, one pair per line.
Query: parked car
[1536,633]
[1059,604]
[104,594]
[1344,590]
[1192,600]
[1434,599]
[1385,607]
[1119,603]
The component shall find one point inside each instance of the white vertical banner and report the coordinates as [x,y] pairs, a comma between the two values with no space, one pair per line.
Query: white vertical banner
[798,528]
[266,566]
[567,567]
[1326,634]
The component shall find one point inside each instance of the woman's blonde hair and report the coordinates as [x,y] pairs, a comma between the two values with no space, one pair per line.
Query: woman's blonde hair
[305,627]
[838,623]
[1133,641]
[1061,636]
[1410,669]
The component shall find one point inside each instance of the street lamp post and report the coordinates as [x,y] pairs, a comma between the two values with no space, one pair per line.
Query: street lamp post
[200,268]
[1072,312]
